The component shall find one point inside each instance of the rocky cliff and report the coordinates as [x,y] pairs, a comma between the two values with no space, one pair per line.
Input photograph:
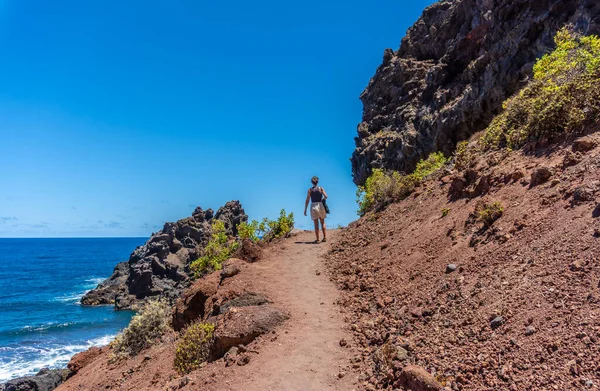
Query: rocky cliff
[161,266]
[454,68]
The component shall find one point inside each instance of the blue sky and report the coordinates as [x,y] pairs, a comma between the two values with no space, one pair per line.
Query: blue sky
[116,116]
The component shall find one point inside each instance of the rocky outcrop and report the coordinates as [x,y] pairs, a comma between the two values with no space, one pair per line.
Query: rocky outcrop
[455,67]
[241,325]
[221,298]
[161,266]
[45,380]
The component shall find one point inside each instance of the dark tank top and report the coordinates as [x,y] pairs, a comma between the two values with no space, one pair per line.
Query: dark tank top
[315,194]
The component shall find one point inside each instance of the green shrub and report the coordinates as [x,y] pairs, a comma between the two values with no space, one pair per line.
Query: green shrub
[248,230]
[273,229]
[489,213]
[445,212]
[464,155]
[267,230]
[149,324]
[217,251]
[383,187]
[426,167]
[562,97]
[193,347]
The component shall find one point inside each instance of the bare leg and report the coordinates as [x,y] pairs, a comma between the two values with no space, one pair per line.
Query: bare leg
[324,230]
[316,228]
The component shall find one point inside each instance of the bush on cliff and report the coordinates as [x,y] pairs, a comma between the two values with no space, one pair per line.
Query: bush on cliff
[383,187]
[562,97]
[489,213]
[267,229]
[217,251]
[194,347]
[145,328]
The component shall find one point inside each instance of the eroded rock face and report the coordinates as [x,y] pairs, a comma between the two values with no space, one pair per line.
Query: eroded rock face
[82,359]
[161,266]
[455,67]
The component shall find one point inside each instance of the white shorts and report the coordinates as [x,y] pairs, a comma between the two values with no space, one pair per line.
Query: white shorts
[317,211]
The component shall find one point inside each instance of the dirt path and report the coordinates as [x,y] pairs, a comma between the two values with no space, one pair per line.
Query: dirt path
[306,354]
[303,354]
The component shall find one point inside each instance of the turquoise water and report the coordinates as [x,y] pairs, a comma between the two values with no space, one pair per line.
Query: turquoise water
[42,323]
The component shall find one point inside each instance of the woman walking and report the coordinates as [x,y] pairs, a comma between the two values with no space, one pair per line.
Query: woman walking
[317,195]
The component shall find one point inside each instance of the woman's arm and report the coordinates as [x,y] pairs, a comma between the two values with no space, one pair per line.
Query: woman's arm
[306,203]
[324,194]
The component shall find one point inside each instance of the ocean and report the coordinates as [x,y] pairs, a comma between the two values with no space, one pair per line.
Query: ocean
[42,323]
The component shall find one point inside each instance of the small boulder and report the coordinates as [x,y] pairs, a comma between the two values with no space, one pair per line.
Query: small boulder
[497,322]
[416,378]
[231,268]
[530,330]
[240,326]
[243,359]
[451,267]
[576,266]
[540,175]
[457,187]
[583,194]
[584,144]
[571,159]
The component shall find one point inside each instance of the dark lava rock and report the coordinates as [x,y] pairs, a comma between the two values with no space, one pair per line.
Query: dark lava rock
[497,322]
[454,68]
[160,267]
[244,300]
[45,380]
[583,194]
[530,330]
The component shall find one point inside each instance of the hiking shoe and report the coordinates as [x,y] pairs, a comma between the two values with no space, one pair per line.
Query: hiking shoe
[317,242]
[324,240]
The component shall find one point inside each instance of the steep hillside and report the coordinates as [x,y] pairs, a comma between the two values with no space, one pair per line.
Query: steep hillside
[452,72]
[484,301]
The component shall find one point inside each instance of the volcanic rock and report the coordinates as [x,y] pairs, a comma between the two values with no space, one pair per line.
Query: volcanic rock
[497,322]
[454,68]
[161,266]
[45,380]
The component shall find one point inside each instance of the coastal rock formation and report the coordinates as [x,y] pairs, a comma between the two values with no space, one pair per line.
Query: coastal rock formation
[161,266]
[45,380]
[454,68]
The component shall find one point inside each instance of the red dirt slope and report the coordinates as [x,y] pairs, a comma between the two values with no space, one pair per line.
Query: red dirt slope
[521,310]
